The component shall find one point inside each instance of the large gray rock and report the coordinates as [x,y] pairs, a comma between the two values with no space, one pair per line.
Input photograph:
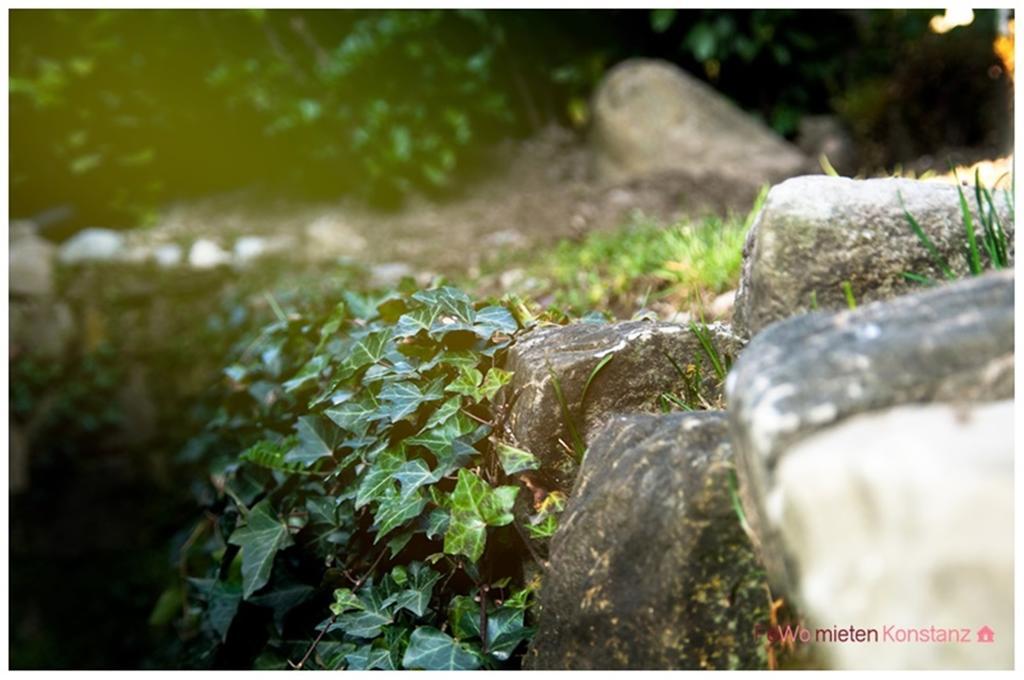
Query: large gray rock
[905,517]
[799,378]
[650,568]
[640,371]
[649,116]
[813,233]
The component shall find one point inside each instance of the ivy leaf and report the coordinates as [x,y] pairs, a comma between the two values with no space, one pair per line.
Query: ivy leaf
[515,460]
[357,415]
[495,380]
[416,596]
[440,439]
[474,507]
[307,375]
[443,412]
[505,630]
[436,523]
[318,438]
[260,539]
[378,478]
[494,319]
[365,622]
[368,657]
[222,605]
[417,320]
[369,349]
[345,600]
[449,301]
[430,649]
[395,509]
[403,398]
[414,474]
[467,383]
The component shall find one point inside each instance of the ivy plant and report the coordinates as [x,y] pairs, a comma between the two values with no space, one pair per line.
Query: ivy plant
[365,509]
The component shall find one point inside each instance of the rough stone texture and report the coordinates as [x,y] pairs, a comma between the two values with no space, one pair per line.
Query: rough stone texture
[649,115]
[91,245]
[905,516]
[813,233]
[633,380]
[950,344]
[650,568]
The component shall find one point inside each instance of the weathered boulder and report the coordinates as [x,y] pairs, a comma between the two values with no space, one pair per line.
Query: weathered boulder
[650,567]
[790,391]
[93,244]
[649,115]
[905,517]
[815,232]
[647,358]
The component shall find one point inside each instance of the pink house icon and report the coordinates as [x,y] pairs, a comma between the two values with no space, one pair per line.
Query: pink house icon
[986,634]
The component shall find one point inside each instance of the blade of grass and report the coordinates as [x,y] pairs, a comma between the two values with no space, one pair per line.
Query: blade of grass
[826,166]
[1000,232]
[590,379]
[989,240]
[851,302]
[937,258]
[973,255]
[917,278]
[704,338]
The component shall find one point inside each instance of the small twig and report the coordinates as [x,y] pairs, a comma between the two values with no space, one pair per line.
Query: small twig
[334,617]
[478,418]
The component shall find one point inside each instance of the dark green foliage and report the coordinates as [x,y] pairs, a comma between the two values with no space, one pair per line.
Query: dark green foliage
[366,502]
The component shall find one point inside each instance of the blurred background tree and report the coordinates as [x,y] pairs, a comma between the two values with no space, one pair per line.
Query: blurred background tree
[113,112]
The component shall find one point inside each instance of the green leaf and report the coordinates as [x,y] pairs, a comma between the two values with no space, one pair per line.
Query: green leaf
[416,596]
[474,507]
[345,600]
[414,474]
[357,415]
[436,523]
[494,319]
[222,605]
[515,460]
[318,438]
[378,478]
[444,412]
[369,349]
[467,383]
[402,398]
[430,649]
[365,622]
[417,320]
[395,509]
[495,380]
[260,539]
[505,630]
